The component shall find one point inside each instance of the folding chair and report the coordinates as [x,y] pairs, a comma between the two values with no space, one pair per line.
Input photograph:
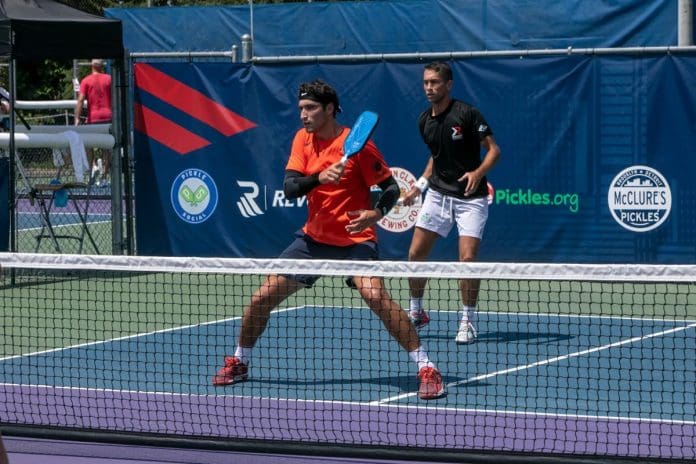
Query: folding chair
[58,193]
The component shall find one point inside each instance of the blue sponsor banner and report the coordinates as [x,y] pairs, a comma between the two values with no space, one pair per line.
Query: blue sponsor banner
[595,164]
[398,26]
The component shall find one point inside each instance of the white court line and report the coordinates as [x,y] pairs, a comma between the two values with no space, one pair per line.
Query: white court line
[384,402]
[63,213]
[72,224]
[145,334]
[545,361]
[314,402]
[393,398]
[293,308]
[578,316]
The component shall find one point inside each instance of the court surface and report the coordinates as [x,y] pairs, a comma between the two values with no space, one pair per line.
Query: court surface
[65,221]
[531,382]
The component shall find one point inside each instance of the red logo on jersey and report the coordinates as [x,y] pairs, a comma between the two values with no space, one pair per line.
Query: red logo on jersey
[456,133]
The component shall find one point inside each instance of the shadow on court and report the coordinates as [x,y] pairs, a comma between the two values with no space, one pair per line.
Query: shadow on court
[404,383]
[505,337]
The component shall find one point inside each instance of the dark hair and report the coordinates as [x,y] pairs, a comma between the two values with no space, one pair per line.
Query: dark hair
[321,92]
[442,69]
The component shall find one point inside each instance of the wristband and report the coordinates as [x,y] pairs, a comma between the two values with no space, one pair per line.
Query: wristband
[422,184]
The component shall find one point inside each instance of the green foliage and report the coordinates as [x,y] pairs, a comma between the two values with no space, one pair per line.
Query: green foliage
[44,80]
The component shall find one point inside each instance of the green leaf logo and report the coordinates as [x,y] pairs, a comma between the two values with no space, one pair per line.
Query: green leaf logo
[191,197]
[200,194]
[186,194]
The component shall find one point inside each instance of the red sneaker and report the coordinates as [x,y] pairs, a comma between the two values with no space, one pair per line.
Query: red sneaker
[431,385]
[233,371]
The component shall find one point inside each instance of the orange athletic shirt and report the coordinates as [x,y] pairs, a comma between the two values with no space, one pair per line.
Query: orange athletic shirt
[329,204]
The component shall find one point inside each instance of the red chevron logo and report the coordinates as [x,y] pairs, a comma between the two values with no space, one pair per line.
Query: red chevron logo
[189,101]
[166,132]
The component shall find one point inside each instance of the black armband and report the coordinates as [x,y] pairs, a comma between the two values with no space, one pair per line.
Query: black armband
[390,194]
[296,185]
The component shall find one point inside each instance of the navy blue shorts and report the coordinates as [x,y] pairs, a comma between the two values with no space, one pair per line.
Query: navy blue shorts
[305,248]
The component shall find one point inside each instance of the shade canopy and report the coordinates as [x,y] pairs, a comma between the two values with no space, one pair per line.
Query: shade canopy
[36,29]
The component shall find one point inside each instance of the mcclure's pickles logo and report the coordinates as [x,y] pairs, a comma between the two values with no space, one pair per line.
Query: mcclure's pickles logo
[194,196]
[639,198]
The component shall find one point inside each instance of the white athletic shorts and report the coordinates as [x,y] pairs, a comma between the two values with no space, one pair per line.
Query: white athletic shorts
[440,212]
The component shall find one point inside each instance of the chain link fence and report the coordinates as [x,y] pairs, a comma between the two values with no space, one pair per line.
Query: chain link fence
[63,196]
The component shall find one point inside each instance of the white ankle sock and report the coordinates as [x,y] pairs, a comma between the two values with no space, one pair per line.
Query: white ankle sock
[468,313]
[420,357]
[243,353]
[416,305]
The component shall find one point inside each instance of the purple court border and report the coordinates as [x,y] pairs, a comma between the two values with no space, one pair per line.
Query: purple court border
[97,206]
[343,423]
[40,451]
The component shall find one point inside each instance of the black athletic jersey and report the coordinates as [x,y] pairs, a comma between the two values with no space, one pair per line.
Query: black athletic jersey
[454,138]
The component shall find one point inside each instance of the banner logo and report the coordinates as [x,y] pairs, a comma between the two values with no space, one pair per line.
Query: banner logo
[247,202]
[402,218]
[194,196]
[639,198]
[189,101]
[528,197]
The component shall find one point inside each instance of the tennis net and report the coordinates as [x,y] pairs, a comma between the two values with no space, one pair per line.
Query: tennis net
[569,359]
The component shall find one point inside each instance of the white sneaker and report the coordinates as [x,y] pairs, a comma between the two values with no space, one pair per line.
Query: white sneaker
[466,333]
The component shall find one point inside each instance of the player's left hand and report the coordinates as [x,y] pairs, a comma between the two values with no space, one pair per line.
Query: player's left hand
[361,220]
[472,179]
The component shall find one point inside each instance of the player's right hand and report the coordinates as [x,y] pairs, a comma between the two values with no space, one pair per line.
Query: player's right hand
[332,174]
[410,198]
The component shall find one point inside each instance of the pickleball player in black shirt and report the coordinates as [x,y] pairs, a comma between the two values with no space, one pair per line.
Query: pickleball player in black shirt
[457,190]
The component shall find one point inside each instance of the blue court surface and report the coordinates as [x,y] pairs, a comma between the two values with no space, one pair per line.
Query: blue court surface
[327,374]
[66,224]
